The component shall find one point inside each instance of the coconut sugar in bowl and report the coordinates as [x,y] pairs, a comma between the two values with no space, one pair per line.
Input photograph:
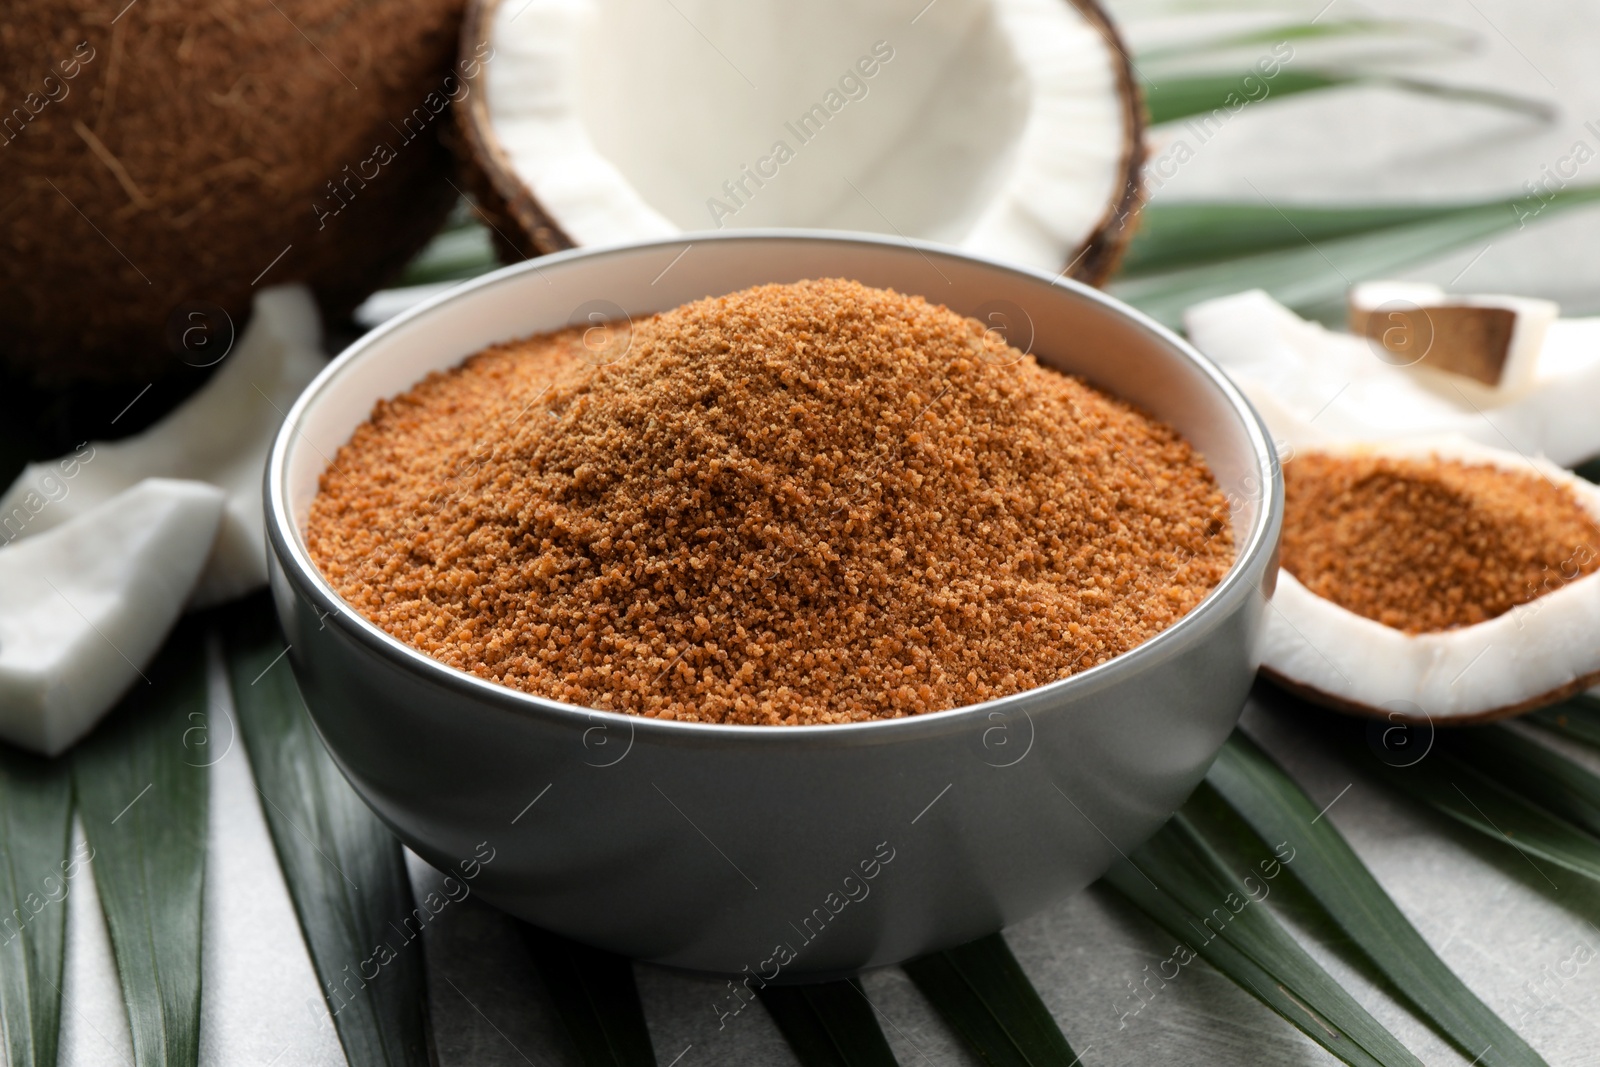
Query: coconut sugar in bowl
[884,820]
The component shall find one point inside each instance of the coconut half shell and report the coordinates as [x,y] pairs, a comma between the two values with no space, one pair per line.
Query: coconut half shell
[1536,654]
[177,153]
[1009,128]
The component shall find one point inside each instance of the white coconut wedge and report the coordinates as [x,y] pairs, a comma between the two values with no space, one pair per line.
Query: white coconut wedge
[1486,345]
[1009,128]
[220,435]
[85,606]
[1535,654]
[1316,386]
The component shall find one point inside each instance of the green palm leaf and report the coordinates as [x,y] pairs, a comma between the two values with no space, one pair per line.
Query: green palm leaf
[144,810]
[828,1024]
[1408,32]
[1548,779]
[1194,233]
[1473,798]
[596,997]
[983,993]
[1178,880]
[35,876]
[464,250]
[1557,784]
[345,871]
[1263,795]
[1578,718]
[1181,96]
[1272,248]
[1188,234]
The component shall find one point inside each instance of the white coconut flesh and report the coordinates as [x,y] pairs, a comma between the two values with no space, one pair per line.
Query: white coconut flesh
[999,126]
[1536,653]
[85,606]
[220,435]
[1316,386]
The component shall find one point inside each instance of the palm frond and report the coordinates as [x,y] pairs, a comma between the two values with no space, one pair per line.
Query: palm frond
[1177,879]
[35,878]
[1264,796]
[144,809]
[1226,92]
[986,997]
[828,1024]
[596,997]
[345,871]
[1270,247]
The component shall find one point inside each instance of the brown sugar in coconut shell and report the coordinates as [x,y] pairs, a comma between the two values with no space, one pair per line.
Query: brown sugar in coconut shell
[1429,544]
[803,503]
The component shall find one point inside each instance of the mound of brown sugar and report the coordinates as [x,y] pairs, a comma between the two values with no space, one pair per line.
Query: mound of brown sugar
[803,503]
[1430,544]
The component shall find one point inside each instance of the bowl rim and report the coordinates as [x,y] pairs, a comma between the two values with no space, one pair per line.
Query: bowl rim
[287,546]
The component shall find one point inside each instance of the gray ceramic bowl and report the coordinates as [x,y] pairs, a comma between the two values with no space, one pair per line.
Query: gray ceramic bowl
[790,851]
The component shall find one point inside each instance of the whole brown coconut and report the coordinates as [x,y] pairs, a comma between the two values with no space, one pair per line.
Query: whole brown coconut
[161,155]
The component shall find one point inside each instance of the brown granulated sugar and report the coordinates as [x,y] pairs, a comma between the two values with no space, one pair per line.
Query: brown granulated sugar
[1429,544]
[803,503]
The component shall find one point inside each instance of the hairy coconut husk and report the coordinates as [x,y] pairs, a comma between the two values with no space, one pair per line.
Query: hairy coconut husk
[524,228]
[169,153]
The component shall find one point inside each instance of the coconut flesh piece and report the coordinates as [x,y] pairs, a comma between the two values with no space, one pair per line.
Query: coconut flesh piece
[84,606]
[1535,654]
[1009,128]
[220,435]
[1314,386]
[1486,345]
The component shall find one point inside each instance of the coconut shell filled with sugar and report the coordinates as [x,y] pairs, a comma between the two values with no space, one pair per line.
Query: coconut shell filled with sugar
[1435,580]
[172,154]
